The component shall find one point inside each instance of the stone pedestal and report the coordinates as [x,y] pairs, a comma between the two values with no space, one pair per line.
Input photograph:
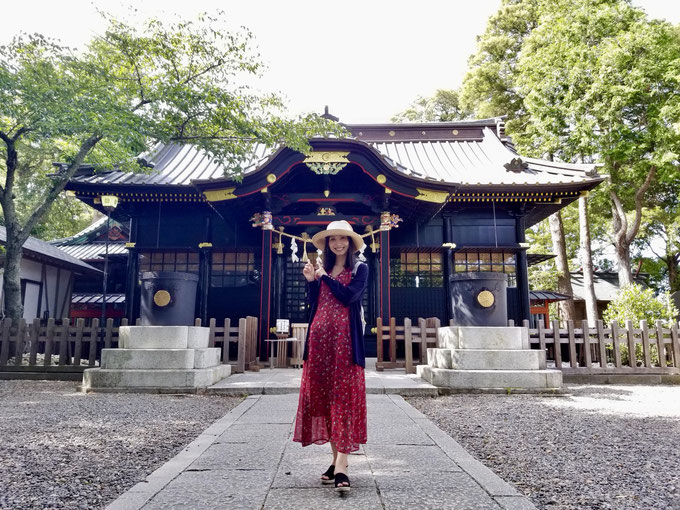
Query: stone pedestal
[158,358]
[471,358]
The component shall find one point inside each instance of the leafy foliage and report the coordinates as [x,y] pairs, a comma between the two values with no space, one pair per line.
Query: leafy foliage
[635,303]
[171,82]
[444,106]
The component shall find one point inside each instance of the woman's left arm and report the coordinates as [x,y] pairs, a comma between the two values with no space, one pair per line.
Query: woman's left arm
[348,294]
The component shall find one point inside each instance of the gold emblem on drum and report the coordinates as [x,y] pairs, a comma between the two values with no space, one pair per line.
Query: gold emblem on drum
[161,298]
[485,298]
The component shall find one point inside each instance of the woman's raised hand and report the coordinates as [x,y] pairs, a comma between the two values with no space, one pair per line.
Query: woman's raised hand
[308,272]
[320,271]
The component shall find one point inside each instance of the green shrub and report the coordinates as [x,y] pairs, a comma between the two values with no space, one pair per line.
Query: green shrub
[635,303]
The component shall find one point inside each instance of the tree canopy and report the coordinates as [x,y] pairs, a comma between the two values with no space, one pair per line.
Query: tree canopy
[171,82]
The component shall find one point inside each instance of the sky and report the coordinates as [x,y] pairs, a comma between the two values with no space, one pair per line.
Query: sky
[367,60]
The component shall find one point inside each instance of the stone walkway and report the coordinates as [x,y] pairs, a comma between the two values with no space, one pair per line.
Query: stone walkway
[279,381]
[246,460]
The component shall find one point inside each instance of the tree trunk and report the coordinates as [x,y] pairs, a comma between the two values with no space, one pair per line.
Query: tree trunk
[568,311]
[624,235]
[587,261]
[672,265]
[11,282]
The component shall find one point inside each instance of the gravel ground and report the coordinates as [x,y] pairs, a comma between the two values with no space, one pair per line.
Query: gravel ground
[602,447]
[63,449]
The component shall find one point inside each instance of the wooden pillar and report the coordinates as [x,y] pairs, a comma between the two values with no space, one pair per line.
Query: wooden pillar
[131,284]
[278,278]
[522,270]
[204,271]
[447,254]
[385,225]
[265,283]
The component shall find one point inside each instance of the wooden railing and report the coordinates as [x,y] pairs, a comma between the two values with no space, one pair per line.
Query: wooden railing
[612,349]
[424,335]
[65,347]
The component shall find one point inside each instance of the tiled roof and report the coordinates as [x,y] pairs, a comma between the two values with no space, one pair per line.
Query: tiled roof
[92,299]
[475,154]
[40,249]
[94,251]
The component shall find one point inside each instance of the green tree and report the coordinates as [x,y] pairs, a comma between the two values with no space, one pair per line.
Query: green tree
[168,82]
[601,80]
[444,106]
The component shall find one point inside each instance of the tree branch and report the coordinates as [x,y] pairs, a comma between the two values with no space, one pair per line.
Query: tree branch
[632,232]
[620,221]
[59,185]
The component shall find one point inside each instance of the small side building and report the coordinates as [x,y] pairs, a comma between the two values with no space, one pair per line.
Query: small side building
[47,278]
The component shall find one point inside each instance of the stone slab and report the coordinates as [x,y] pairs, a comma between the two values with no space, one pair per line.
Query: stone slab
[478,337]
[206,358]
[198,337]
[151,359]
[487,359]
[483,379]
[94,378]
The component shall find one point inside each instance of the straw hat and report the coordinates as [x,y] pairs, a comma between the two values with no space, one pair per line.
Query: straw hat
[337,228]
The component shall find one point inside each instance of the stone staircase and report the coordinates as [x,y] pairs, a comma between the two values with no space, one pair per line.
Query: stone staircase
[158,358]
[488,359]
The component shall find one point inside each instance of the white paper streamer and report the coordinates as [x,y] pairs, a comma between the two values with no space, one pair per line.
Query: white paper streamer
[362,257]
[293,250]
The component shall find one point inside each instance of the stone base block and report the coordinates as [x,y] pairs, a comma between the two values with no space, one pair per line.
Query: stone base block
[492,379]
[163,337]
[483,359]
[206,358]
[95,378]
[478,337]
[149,359]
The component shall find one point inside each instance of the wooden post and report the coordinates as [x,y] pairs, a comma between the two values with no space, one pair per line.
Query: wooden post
[211,333]
[422,324]
[632,356]
[63,341]
[197,322]
[558,344]
[408,348]
[601,344]
[77,350]
[241,347]
[393,340]
[615,344]
[227,341]
[94,335]
[379,345]
[541,337]
[661,344]
[19,344]
[645,343]
[4,341]
[572,344]
[108,333]
[49,338]
[586,342]
[675,339]
[35,339]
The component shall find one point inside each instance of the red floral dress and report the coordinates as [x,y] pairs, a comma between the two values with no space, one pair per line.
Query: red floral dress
[332,404]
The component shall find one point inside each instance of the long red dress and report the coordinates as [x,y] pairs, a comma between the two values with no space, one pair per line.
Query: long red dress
[332,404]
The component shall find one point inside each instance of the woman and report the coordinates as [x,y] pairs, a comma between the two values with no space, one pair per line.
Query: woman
[332,404]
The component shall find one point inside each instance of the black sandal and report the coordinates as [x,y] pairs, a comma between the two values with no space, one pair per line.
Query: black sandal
[341,478]
[330,473]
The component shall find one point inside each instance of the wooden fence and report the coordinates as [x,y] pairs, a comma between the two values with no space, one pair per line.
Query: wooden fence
[65,347]
[612,349]
[424,335]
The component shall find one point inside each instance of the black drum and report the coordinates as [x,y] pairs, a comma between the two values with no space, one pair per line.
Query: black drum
[168,298]
[479,299]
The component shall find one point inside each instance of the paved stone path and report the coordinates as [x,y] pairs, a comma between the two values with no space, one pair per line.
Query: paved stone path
[246,460]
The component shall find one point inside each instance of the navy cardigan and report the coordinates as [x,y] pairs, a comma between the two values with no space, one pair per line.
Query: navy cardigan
[349,295]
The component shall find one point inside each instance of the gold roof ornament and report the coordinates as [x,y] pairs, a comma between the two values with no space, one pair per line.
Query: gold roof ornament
[326,162]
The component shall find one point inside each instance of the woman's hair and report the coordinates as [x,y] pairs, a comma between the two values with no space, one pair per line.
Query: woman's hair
[329,256]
